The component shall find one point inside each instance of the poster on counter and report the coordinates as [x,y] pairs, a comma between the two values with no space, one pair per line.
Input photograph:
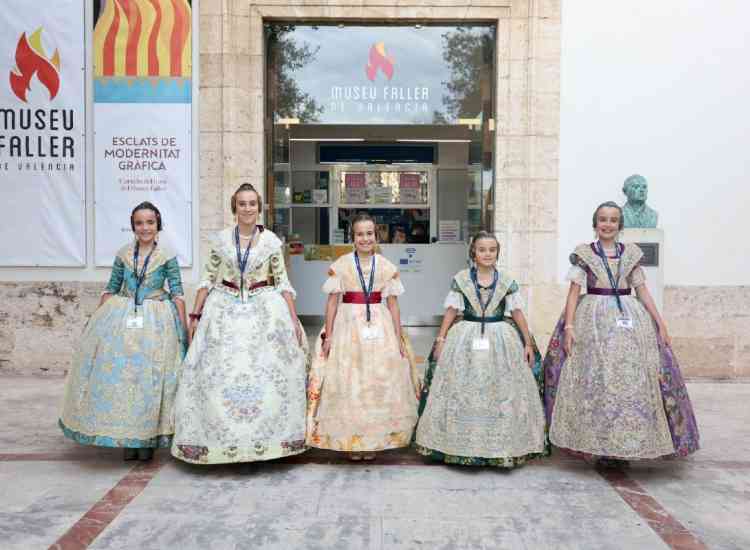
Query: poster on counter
[42,134]
[355,188]
[449,230]
[381,195]
[409,188]
[143,121]
[410,260]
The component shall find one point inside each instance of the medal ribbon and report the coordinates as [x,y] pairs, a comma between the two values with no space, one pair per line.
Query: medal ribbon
[484,305]
[367,290]
[242,258]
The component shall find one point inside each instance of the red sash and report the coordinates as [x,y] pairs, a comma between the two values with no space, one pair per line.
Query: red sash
[359,298]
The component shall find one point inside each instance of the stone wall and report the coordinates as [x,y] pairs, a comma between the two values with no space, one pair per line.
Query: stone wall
[40,323]
[710,328]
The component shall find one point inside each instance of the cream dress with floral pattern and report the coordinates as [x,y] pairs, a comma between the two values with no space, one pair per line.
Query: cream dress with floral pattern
[364,396]
[241,396]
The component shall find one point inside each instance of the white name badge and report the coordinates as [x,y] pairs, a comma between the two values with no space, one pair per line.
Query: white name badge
[624,322]
[371,332]
[134,322]
[480,344]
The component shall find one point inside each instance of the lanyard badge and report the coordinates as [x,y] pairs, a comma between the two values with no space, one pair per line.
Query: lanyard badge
[140,277]
[484,305]
[242,258]
[367,290]
[623,321]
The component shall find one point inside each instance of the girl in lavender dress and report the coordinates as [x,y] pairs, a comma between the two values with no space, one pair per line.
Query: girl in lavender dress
[613,388]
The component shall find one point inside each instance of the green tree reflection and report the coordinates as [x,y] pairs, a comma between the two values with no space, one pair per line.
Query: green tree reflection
[468,53]
[286,57]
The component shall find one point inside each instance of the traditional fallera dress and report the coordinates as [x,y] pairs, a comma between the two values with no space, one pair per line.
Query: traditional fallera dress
[481,404]
[242,386]
[364,396]
[620,394]
[122,383]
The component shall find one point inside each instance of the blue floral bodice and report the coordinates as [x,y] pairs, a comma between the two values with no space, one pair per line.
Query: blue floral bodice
[162,267]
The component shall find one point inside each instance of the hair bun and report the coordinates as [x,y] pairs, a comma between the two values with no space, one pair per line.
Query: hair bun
[146,205]
[478,236]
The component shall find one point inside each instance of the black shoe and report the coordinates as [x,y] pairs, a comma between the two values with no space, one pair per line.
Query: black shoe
[129,454]
[145,453]
[612,464]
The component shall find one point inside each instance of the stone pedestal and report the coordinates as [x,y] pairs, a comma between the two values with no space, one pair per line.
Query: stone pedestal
[651,242]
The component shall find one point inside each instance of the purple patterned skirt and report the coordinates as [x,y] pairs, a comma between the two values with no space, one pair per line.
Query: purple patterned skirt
[677,406]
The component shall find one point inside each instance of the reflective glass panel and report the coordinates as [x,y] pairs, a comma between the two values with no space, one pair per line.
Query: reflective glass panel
[415,74]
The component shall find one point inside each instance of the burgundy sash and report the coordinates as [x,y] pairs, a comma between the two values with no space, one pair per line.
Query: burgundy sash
[608,291]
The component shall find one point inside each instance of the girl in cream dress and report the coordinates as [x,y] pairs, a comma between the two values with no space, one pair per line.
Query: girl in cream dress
[363,386]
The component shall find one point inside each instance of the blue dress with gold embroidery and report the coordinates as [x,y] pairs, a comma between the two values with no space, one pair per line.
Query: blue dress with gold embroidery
[122,384]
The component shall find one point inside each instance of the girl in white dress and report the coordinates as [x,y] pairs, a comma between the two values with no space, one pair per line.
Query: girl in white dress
[241,396]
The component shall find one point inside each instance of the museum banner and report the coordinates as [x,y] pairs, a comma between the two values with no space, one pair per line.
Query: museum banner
[42,134]
[143,119]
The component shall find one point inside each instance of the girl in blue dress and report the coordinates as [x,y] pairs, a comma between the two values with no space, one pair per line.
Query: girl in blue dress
[121,387]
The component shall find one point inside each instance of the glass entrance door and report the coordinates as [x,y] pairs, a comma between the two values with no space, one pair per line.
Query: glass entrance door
[393,120]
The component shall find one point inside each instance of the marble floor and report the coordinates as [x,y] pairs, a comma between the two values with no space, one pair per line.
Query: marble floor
[56,494]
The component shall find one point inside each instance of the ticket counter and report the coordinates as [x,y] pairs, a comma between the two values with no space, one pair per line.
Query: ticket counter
[423,214]
[425,271]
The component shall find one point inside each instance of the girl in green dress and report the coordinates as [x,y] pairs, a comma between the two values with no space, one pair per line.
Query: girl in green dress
[481,403]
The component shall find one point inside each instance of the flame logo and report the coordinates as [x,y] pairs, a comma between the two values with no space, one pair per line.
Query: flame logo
[143,38]
[379,61]
[32,60]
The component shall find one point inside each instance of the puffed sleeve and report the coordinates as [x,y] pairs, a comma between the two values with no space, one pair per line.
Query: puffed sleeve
[576,275]
[280,277]
[577,272]
[455,298]
[637,277]
[333,284]
[174,279]
[393,286]
[513,299]
[116,277]
[210,270]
